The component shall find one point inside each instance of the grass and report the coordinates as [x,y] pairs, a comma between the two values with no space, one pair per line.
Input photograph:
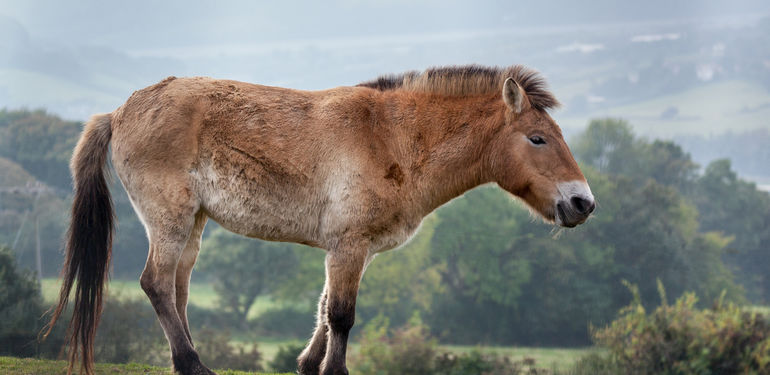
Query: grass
[549,358]
[201,294]
[30,366]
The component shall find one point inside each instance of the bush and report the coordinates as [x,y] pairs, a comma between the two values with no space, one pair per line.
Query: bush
[216,351]
[284,322]
[479,363]
[129,332]
[20,308]
[680,339]
[201,318]
[595,364]
[286,358]
[410,350]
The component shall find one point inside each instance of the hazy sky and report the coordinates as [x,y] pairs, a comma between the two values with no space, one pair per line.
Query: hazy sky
[142,25]
[80,57]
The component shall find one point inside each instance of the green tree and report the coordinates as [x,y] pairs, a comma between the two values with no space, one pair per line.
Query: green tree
[668,164]
[20,307]
[609,145]
[736,208]
[242,269]
[40,142]
[35,149]
[403,281]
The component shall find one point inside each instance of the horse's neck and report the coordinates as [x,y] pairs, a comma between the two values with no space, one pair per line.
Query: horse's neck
[446,147]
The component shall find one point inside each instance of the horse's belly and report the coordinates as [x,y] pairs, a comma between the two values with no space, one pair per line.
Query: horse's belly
[256,209]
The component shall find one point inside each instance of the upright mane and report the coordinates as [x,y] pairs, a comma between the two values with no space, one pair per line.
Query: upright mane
[468,80]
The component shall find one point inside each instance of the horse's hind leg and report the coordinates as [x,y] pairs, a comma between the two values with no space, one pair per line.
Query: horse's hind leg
[169,213]
[184,270]
[309,362]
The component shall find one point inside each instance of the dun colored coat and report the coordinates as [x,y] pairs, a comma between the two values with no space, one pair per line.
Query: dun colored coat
[351,170]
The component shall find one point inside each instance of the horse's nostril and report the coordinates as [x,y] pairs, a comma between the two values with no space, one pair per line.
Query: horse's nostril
[583,206]
[591,207]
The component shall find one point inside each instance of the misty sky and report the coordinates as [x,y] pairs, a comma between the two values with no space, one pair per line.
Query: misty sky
[76,58]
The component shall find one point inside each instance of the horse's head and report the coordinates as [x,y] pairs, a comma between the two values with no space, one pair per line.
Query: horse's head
[530,159]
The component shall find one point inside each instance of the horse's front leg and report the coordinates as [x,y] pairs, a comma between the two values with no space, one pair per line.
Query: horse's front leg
[344,268]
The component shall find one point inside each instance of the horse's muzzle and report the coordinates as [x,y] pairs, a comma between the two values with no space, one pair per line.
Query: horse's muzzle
[575,211]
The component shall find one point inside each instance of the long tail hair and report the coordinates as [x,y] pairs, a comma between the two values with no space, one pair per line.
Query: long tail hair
[89,242]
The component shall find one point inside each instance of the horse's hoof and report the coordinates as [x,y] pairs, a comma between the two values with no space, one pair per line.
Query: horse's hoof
[338,371]
[305,367]
[196,368]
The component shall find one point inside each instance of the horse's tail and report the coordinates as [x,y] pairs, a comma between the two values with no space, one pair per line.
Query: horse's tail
[89,242]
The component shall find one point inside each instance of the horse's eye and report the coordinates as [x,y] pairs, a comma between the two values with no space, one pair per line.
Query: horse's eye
[537,140]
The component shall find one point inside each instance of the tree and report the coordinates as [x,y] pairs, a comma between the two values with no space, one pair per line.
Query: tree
[40,142]
[609,145]
[20,307]
[736,208]
[242,269]
[668,164]
[35,149]
[402,281]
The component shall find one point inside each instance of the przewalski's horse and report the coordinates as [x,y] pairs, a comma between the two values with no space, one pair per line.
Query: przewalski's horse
[352,170]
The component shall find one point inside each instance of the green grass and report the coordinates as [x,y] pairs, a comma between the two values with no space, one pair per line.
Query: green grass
[29,366]
[201,294]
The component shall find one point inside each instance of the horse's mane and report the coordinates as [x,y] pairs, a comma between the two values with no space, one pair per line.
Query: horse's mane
[468,80]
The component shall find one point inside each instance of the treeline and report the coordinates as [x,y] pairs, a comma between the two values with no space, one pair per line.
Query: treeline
[482,269]
[36,187]
[748,150]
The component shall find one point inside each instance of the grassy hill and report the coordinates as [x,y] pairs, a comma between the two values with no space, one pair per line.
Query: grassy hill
[29,366]
[712,108]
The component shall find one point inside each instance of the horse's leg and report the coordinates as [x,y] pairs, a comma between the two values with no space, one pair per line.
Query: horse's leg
[184,270]
[344,268]
[309,362]
[169,212]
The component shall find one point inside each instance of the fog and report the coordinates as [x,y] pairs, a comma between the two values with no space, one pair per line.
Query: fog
[674,69]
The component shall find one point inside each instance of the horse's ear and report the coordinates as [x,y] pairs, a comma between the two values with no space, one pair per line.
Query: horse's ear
[514,96]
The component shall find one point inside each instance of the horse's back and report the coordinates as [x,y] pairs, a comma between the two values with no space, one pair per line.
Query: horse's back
[260,160]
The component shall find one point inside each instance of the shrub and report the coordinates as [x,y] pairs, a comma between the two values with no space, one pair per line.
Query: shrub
[410,350]
[216,351]
[129,332]
[680,339]
[284,322]
[595,364]
[20,307]
[286,358]
[479,363]
[201,318]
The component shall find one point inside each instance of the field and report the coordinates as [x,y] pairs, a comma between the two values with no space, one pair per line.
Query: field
[706,110]
[201,294]
[26,366]
[547,358]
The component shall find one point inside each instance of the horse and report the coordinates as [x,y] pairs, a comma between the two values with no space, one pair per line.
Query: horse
[352,170]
